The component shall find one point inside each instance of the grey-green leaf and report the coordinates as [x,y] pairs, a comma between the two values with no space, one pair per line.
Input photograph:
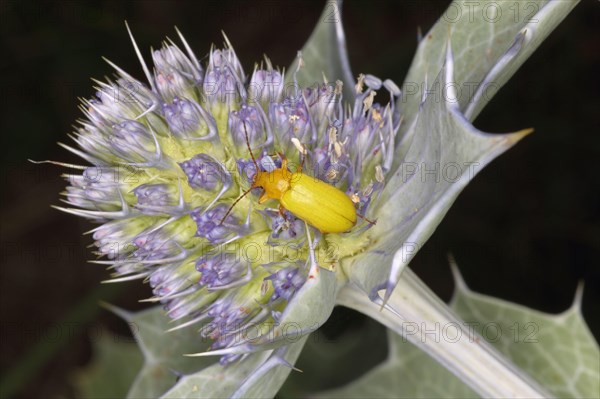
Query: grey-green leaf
[557,350]
[329,362]
[444,154]
[491,40]
[163,351]
[153,379]
[325,53]
[114,360]
[407,373]
[310,307]
[259,375]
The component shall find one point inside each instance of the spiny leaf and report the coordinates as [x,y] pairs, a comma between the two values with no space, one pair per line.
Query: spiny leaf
[407,373]
[491,40]
[558,350]
[260,374]
[163,351]
[112,370]
[321,352]
[444,154]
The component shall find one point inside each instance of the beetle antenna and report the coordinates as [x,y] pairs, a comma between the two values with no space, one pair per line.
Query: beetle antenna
[251,188]
[367,220]
[234,204]
[248,144]
[302,161]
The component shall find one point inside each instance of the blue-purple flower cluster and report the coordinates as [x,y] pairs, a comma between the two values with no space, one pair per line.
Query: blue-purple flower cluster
[169,158]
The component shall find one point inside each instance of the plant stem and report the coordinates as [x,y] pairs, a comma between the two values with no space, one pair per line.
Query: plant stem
[414,311]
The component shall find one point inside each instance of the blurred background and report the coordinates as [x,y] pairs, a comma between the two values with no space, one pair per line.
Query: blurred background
[527,229]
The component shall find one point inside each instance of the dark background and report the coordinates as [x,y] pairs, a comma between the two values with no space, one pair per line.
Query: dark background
[526,229]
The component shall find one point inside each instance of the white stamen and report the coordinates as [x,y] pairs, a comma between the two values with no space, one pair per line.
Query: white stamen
[359,83]
[299,146]
[379,176]
[368,101]
[338,149]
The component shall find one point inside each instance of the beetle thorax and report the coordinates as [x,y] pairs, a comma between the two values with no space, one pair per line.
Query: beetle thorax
[275,183]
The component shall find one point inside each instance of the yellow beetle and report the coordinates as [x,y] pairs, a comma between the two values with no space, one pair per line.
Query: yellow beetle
[319,204]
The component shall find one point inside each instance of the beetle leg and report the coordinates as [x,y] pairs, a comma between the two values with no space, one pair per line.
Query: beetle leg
[284,161]
[263,198]
[282,211]
[372,222]
[302,163]
[314,266]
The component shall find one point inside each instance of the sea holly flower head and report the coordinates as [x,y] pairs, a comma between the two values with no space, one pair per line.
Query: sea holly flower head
[176,167]
[193,137]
